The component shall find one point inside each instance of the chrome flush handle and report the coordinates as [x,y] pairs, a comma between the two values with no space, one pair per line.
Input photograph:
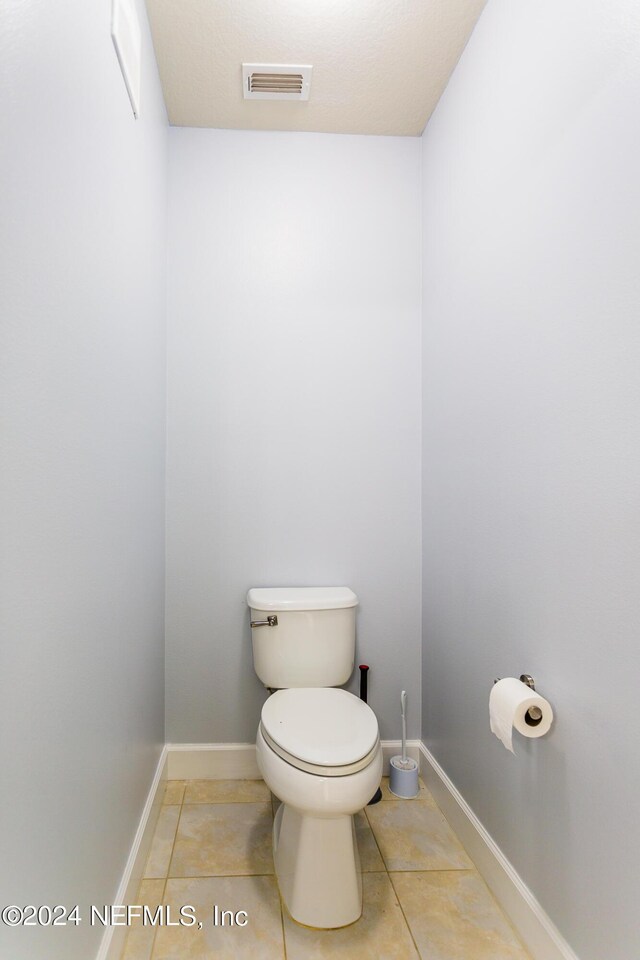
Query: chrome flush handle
[271,621]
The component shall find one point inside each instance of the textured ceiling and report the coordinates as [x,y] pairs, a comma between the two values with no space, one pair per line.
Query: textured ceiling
[379,66]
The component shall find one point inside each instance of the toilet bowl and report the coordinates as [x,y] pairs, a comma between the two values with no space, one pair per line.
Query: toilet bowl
[319,752]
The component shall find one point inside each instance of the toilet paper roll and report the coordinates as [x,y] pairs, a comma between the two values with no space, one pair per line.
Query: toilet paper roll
[509,703]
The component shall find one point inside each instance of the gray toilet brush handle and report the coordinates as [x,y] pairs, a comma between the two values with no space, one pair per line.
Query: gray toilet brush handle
[403,701]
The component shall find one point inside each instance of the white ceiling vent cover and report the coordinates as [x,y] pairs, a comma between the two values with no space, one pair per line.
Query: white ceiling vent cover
[275,81]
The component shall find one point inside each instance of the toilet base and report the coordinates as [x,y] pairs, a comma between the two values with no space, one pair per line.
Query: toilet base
[317,867]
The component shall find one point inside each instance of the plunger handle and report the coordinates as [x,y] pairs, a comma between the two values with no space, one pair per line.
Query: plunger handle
[364,669]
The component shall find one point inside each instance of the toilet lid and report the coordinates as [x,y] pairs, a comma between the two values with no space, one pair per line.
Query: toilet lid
[321,726]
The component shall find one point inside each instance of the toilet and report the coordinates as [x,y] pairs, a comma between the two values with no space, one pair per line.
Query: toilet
[318,747]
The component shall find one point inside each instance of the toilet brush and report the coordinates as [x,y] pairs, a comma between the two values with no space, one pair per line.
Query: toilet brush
[403,771]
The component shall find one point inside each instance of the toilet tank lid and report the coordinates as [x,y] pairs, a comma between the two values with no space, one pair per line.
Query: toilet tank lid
[301,598]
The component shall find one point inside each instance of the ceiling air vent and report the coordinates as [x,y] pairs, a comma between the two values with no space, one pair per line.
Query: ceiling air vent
[274,81]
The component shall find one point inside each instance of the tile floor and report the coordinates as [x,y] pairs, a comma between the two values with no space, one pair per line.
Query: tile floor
[423,897]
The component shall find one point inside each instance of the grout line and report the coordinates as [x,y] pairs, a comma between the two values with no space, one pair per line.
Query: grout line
[395,893]
[224,803]
[155,932]
[173,845]
[216,876]
[375,840]
[438,870]
[282,909]
[166,878]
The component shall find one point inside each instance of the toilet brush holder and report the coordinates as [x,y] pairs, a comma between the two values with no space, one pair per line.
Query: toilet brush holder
[403,771]
[403,777]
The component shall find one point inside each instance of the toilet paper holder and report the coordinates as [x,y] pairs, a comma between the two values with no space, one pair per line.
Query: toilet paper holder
[524,678]
[533,716]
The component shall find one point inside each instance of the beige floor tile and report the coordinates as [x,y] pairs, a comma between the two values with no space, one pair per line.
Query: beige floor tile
[174,791]
[223,839]
[140,938]
[422,795]
[370,858]
[227,791]
[453,916]
[381,933]
[162,843]
[415,836]
[260,939]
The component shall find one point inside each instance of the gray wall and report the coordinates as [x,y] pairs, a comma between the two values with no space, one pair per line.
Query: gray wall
[532,449]
[294,406]
[82,240]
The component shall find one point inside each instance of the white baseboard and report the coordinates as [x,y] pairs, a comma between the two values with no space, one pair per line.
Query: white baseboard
[237,761]
[212,761]
[112,943]
[539,934]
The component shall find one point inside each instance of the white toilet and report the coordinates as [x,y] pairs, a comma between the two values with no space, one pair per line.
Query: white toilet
[318,748]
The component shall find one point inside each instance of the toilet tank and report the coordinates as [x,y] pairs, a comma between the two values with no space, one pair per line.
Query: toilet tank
[313,642]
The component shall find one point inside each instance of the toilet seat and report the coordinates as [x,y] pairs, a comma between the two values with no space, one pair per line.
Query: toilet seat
[317,769]
[321,730]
